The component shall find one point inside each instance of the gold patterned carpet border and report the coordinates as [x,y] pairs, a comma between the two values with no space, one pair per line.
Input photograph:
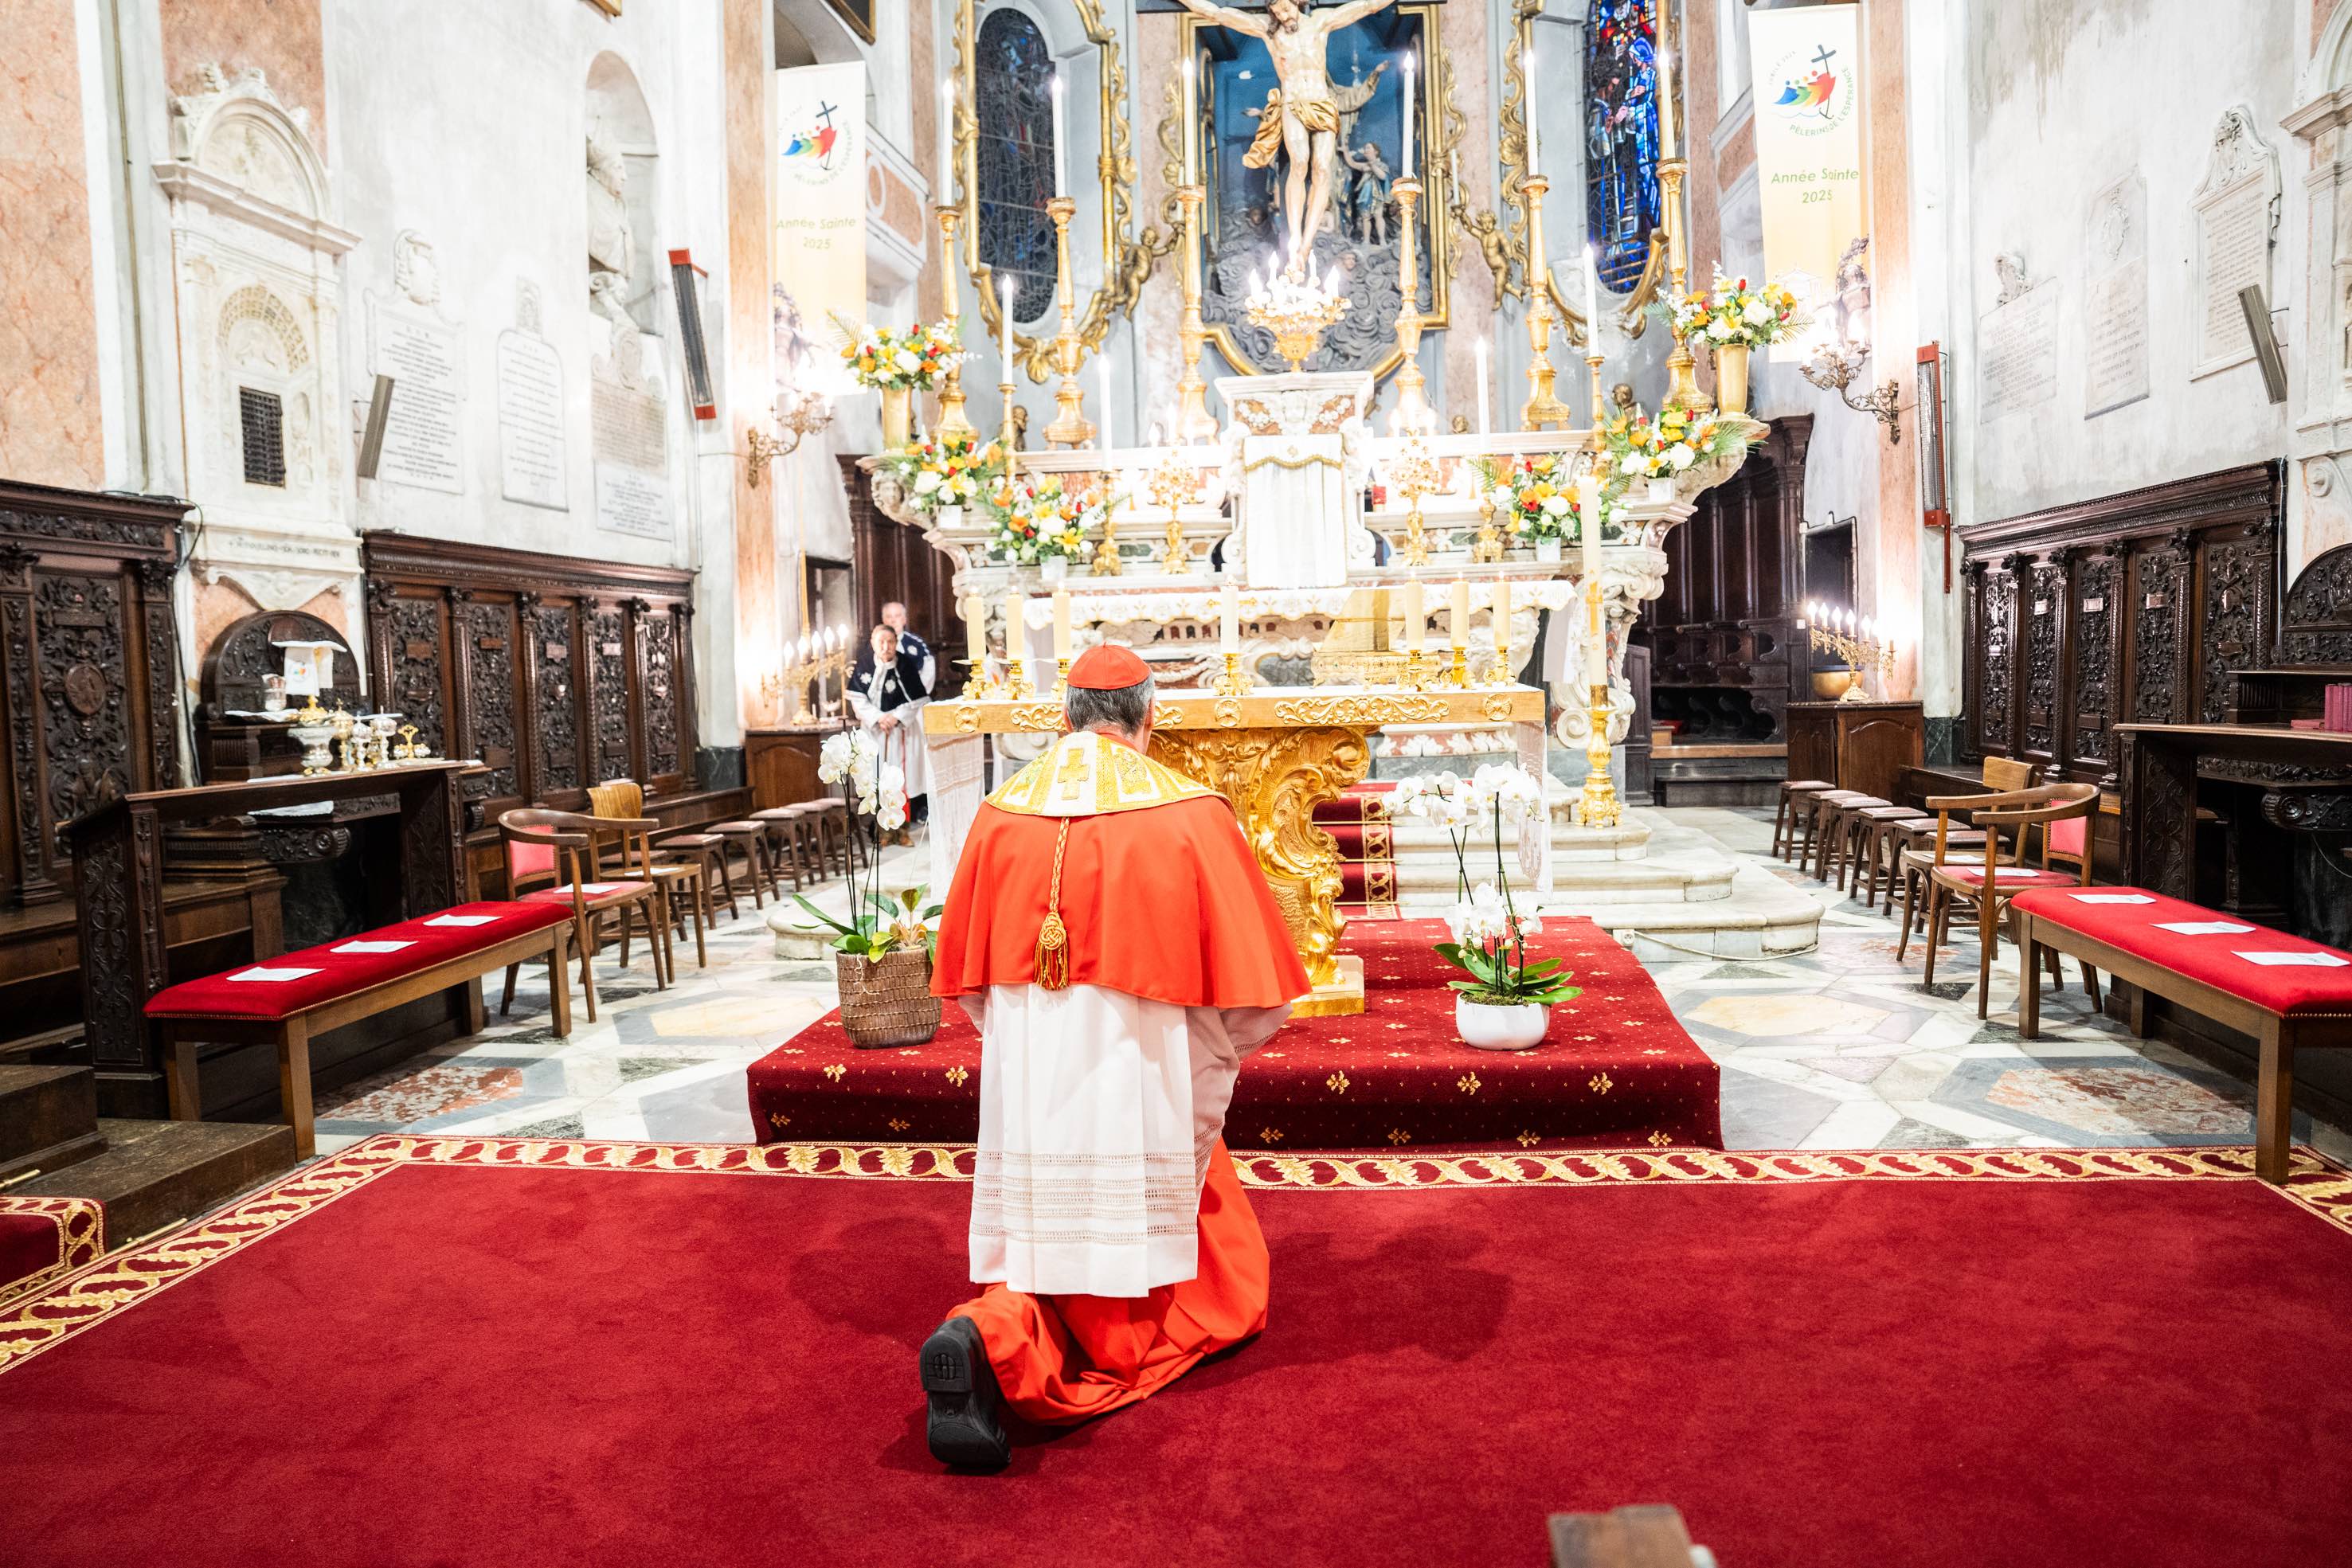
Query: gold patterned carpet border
[81,1235]
[40,1318]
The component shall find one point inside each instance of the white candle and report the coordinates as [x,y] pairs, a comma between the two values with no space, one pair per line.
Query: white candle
[1061,144]
[1229,618]
[1413,615]
[1458,617]
[1596,647]
[1061,620]
[1503,623]
[1005,319]
[1665,104]
[975,633]
[947,143]
[1016,631]
[1528,101]
[1406,151]
[1591,293]
[1485,425]
[1192,119]
[1102,368]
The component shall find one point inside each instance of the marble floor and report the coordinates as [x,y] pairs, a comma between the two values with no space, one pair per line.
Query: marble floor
[1841,1047]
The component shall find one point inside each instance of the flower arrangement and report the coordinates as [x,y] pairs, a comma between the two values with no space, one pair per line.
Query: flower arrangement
[1534,498]
[953,468]
[878,924]
[1735,313]
[1036,519]
[900,358]
[1490,933]
[1641,447]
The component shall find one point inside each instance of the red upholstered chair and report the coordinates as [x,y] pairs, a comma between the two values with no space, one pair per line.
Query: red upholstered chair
[571,844]
[1987,885]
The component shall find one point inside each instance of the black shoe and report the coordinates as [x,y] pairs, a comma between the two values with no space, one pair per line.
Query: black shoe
[964,1427]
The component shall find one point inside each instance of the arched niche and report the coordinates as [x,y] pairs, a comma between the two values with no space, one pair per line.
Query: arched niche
[623,194]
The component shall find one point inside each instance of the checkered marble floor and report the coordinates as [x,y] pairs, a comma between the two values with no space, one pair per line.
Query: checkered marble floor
[1839,1047]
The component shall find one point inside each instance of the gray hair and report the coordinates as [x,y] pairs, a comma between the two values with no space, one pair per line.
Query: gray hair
[1126,708]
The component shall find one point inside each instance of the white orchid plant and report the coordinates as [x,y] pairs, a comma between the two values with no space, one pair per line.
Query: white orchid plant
[878,922]
[1489,935]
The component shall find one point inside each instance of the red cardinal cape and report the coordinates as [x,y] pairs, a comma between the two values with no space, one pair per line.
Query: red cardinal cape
[1160,893]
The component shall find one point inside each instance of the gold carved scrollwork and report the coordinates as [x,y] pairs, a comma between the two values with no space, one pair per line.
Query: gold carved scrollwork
[1292,459]
[1275,779]
[1369,711]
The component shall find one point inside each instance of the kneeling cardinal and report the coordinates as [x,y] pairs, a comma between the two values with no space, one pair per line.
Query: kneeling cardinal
[1111,933]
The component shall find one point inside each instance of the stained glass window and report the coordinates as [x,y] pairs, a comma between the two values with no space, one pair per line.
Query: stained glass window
[1620,136]
[1013,88]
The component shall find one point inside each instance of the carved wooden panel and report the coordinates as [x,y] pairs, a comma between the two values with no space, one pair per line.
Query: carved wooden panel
[608,656]
[2159,641]
[2046,616]
[2094,605]
[490,650]
[553,632]
[86,727]
[1995,631]
[657,661]
[2238,575]
[419,645]
[2315,625]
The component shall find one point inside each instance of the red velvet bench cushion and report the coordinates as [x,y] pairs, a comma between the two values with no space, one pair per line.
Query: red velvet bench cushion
[2138,929]
[344,974]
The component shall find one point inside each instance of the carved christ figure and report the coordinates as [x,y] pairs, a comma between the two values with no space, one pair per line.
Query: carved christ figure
[1301,118]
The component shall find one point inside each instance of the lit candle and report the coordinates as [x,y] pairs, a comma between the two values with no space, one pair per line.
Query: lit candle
[1229,618]
[1459,605]
[1191,118]
[1486,425]
[1413,615]
[1061,620]
[1665,104]
[1406,151]
[947,143]
[1004,322]
[1016,630]
[1061,144]
[975,633]
[1528,100]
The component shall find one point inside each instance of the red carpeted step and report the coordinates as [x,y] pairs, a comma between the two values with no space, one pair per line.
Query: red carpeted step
[1616,1069]
[45,1236]
[1969,1357]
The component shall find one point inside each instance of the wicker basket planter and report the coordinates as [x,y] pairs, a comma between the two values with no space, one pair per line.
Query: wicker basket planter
[887,1001]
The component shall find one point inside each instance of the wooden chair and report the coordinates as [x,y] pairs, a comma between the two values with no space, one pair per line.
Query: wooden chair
[561,849]
[685,881]
[1989,886]
[1913,858]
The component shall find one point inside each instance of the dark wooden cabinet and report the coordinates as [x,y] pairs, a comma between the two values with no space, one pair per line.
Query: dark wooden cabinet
[1869,747]
[782,764]
[2141,607]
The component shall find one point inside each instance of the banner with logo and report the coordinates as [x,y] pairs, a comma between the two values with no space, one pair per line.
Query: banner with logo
[1808,96]
[820,247]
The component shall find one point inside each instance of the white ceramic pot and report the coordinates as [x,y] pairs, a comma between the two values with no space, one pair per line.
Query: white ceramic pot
[1053,568]
[1491,1027]
[1662,492]
[1547,551]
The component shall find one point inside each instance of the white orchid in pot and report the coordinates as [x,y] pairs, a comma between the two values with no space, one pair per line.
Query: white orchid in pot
[882,952]
[1506,1002]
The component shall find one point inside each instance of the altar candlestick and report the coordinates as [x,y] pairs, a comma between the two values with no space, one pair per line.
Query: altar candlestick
[1413,615]
[1061,622]
[1192,117]
[945,196]
[975,636]
[1406,151]
[1061,144]
[1016,630]
[1229,618]
[1004,322]
[1528,100]
[1588,507]
[1503,671]
[1665,91]
[1459,605]
[1591,295]
[1485,425]
[1102,370]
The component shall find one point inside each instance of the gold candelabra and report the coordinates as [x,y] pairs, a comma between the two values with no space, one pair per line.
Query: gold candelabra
[1489,545]
[818,658]
[1107,562]
[1193,420]
[952,414]
[1412,412]
[1864,646]
[1234,682]
[1414,473]
[1296,315]
[1070,427]
[1173,484]
[1543,406]
[1681,386]
[1598,805]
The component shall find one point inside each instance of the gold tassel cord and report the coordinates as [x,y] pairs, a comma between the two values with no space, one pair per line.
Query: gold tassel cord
[1054,937]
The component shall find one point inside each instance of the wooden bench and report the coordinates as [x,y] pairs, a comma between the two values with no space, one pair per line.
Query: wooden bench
[2300,1000]
[286,1001]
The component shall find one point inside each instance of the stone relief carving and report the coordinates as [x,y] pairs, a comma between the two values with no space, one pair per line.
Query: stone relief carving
[416,271]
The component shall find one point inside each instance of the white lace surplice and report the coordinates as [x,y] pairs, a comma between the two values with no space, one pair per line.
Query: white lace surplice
[1097,1110]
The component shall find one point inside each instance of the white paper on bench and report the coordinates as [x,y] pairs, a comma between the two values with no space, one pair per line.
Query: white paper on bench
[461,920]
[2202,927]
[396,946]
[2115,898]
[609,886]
[2315,960]
[273,974]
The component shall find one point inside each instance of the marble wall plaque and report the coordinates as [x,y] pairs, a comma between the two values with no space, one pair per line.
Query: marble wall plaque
[2017,345]
[629,501]
[2115,299]
[530,421]
[2233,210]
[423,440]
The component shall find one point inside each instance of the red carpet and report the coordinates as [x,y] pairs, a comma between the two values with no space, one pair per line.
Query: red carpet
[1357,822]
[40,1235]
[1616,1071]
[463,1363]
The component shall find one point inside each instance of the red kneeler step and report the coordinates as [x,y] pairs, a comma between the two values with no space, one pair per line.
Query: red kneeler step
[339,974]
[1617,1070]
[1358,820]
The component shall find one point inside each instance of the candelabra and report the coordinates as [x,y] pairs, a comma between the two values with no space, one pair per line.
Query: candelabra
[1412,412]
[1682,388]
[1598,805]
[1297,314]
[1414,474]
[1864,646]
[799,415]
[1836,367]
[1489,545]
[1106,561]
[1193,420]
[1543,406]
[1172,484]
[1070,427]
[952,414]
[1233,682]
[818,656]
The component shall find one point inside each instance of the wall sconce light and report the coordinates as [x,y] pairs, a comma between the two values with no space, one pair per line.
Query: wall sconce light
[1839,361]
[799,415]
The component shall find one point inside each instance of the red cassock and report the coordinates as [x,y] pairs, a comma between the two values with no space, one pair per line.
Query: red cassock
[1161,899]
